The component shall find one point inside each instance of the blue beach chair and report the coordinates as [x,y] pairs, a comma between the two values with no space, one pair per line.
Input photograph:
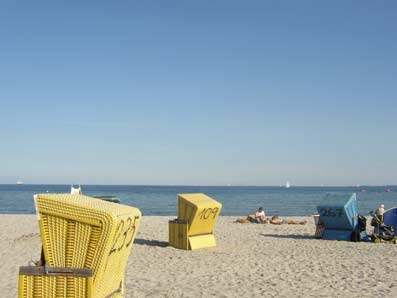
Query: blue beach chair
[339,214]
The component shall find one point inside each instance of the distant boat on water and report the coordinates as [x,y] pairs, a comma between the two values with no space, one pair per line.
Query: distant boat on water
[19,182]
[287,185]
[112,199]
[75,190]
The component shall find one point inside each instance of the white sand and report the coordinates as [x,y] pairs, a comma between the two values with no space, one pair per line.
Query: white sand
[250,260]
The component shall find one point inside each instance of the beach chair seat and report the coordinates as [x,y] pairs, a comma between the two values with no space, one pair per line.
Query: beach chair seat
[83,232]
[42,282]
[195,225]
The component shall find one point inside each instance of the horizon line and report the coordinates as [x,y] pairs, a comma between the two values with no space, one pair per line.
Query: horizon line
[203,185]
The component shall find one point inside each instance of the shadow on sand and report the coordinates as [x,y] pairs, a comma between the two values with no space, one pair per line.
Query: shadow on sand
[150,242]
[292,236]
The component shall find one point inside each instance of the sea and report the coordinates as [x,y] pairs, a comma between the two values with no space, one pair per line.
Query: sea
[236,200]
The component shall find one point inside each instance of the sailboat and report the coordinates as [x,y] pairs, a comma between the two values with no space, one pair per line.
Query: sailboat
[19,182]
[287,185]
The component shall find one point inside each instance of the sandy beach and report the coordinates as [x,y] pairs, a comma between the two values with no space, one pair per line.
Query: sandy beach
[250,260]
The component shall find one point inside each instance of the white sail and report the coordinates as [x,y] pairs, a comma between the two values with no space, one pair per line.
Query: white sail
[287,185]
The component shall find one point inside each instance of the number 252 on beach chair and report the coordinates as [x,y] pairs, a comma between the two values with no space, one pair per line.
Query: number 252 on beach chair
[83,232]
[194,227]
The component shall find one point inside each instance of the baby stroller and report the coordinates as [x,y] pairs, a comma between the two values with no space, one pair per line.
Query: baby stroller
[382,233]
[359,233]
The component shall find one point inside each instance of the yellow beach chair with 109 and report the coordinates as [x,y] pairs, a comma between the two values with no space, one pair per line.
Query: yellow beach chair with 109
[194,227]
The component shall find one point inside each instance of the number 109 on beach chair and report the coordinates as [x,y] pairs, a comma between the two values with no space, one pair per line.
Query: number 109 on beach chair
[86,233]
[194,227]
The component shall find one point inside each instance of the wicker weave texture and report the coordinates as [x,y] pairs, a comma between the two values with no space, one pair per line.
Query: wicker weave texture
[31,286]
[83,232]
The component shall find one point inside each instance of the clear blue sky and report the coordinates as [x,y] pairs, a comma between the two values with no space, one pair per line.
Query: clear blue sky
[198,92]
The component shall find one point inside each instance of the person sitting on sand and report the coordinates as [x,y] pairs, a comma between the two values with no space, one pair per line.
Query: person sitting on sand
[260,216]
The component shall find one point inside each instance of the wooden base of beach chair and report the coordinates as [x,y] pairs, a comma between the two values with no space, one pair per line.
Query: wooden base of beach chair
[39,282]
[177,233]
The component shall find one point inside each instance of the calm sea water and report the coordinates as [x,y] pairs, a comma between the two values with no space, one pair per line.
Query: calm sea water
[162,200]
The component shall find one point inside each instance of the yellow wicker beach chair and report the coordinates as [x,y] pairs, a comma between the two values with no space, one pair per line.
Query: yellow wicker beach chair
[40,282]
[194,227]
[82,232]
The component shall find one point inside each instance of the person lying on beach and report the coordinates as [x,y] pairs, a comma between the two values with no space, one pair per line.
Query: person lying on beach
[295,222]
[278,221]
[260,217]
[275,220]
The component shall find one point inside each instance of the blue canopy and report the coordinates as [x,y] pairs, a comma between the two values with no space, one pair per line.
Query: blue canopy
[390,218]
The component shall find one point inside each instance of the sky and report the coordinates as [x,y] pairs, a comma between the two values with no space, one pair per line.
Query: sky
[198,92]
